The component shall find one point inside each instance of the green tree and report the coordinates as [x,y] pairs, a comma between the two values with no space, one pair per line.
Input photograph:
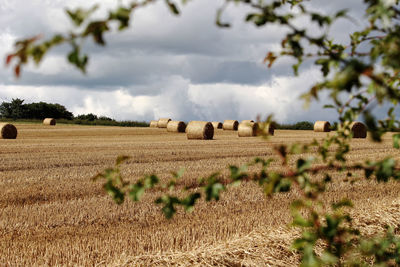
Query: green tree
[87,117]
[43,110]
[12,110]
[366,69]
[17,110]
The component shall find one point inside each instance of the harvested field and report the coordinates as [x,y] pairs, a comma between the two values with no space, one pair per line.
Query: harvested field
[53,214]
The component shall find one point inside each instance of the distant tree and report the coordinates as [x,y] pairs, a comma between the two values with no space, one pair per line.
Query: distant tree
[12,110]
[301,125]
[104,118]
[17,110]
[43,110]
[87,117]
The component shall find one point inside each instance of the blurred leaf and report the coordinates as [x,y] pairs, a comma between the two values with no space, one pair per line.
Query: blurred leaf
[396,140]
[172,7]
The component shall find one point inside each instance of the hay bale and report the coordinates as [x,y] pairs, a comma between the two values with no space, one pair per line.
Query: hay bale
[8,131]
[49,121]
[217,125]
[176,126]
[200,130]
[358,129]
[163,122]
[247,129]
[230,125]
[322,126]
[247,121]
[153,124]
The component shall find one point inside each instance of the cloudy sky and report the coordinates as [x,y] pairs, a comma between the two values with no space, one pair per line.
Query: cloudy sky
[181,67]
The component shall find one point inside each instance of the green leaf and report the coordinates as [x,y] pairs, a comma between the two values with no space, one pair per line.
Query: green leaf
[169,203]
[328,106]
[299,220]
[122,15]
[80,15]
[114,192]
[213,191]
[303,165]
[179,173]
[189,202]
[150,181]
[385,169]
[396,141]
[309,258]
[343,203]
[97,29]
[136,191]
[172,7]
[76,59]
[121,159]
[329,258]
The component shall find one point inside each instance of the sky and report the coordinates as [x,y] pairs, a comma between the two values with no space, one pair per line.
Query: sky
[184,67]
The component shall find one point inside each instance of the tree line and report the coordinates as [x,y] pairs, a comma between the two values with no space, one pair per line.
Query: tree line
[18,110]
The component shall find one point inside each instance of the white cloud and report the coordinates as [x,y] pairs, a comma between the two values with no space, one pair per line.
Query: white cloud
[182,100]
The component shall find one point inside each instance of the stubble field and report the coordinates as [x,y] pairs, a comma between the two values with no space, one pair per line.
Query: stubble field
[51,213]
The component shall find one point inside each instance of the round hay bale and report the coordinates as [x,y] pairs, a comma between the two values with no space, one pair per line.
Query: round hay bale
[247,129]
[153,124]
[163,122]
[8,131]
[358,129]
[49,121]
[217,125]
[322,126]
[247,121]
[200,130]
[230,125]
[176,126]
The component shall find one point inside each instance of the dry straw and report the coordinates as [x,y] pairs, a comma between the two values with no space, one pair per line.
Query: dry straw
[359,129]
[153,124]
[230,125]
[49,121]
[8,131]
[200,130]
[322,126]
[163,122]
[176,126]
[247,129]
[217,125]
[247,121]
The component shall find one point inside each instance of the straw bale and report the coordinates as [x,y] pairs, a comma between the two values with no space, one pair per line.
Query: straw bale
[200,130]
[322,126]
[153,124]
[247,129]
[359,129]
[176,126]
[8,131]
[217,125]
[49,121]
[163,122]
[247,121]
[230,125]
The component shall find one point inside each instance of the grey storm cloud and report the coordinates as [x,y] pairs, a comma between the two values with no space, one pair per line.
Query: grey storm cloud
[184,67]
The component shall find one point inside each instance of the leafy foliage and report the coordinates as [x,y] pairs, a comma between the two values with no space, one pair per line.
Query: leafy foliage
[16,109]
[366,70]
